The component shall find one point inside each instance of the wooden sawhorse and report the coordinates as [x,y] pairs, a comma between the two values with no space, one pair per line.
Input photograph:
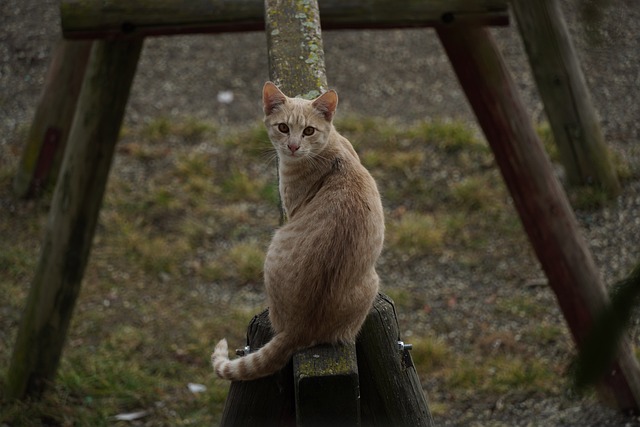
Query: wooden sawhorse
[293,26]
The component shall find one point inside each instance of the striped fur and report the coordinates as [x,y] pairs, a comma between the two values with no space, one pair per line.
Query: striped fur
[319,271]
[270,358]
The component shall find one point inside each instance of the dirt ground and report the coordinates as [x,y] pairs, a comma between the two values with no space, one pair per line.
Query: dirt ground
[399,74]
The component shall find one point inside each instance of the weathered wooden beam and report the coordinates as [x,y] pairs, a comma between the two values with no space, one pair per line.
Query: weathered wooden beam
[123,18]
[72,217]
[50,127]
[295,52]
[296,64]
[325,377]
[538,196]
[326,385]
[294,42]
[390,390]
[572,116]
[268,401]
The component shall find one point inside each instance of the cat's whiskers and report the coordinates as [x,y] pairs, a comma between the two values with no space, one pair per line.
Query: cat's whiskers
[269,155]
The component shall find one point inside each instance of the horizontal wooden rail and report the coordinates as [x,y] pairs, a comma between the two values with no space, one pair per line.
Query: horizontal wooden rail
[124,18]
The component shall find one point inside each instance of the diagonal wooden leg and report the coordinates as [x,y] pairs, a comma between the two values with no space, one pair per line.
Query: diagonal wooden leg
[49,131]
[72,217]
[538,196]
[563,89]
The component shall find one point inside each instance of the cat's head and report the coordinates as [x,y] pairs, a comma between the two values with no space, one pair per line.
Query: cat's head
[298,128]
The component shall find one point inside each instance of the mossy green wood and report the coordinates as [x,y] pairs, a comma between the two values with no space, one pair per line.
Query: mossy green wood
[567,102]
[294,42]
[538,196]
[295,52]
[72,217]
[326,384]
[296,65]
[390,390]
[117,18]
[51,124]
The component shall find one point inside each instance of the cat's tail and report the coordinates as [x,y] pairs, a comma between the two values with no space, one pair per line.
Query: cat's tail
[266,361]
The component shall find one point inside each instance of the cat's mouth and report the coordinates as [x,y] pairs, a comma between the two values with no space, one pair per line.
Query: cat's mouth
[294,154]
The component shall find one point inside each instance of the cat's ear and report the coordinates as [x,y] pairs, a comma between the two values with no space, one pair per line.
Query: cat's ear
[272,97]
[326,104]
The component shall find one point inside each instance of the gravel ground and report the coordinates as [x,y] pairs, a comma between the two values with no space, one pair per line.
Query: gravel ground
[399,74]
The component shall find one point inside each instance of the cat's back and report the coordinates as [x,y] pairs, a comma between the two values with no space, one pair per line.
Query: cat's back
[344,211]
[322,261]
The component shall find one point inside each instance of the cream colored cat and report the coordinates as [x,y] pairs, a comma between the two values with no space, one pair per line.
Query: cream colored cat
[319,271]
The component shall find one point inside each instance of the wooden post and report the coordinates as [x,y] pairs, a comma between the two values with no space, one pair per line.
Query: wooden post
[573,119]
[326,385]
[72,217]
[325,377]
[538,196]
[390,390]
[294,41]
[47,137]
[327,380]
[266,401]
[296,64]
[294,44]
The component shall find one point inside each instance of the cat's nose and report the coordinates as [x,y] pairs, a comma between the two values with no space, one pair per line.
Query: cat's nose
[293,147]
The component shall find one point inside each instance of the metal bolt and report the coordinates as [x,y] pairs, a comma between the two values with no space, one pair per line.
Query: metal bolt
[243,351]
[403,347]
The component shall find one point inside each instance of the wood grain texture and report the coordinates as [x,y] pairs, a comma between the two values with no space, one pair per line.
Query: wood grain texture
[295,51]
[390,390]
[538,196]
[124,18]
[42,154]
[326,385]
[294,42]
[266,401]
[72,217]
[563,89]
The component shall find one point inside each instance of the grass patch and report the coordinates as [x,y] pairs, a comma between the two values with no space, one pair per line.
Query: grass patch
[242,263]
[179,252]
[588,197]
[464,373]
[452,137]
[402,161]
[251,144]
[430,355]
[547,333]
[405,300]
[548,141]
[415,234]
[474,194]
[187,129]
[520,306]
[239,186]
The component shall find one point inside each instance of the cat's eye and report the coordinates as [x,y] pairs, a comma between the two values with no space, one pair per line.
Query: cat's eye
[308,131]
[283,128]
